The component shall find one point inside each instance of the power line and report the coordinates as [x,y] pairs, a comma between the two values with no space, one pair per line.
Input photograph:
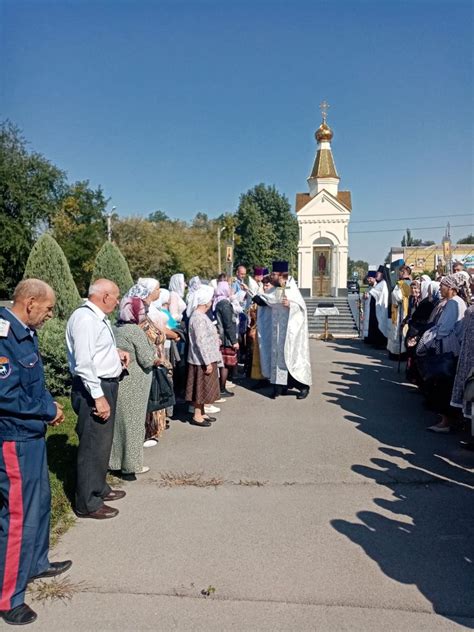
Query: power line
[397,230]
[396,219]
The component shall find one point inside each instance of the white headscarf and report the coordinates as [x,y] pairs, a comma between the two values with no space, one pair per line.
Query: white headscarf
[143,288]
[177,284]
[425,286]
[203,296]
[194,286]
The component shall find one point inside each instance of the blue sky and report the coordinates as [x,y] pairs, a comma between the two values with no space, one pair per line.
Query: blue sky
[184,105]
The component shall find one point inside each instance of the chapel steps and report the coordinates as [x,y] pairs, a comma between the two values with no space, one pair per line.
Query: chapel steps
[344,325]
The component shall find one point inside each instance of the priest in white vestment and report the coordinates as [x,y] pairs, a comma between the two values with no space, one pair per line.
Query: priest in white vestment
[283,335]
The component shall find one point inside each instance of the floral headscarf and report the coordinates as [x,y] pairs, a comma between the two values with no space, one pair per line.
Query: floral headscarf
[132,311]
[194,285]
[143,288]
[221,293]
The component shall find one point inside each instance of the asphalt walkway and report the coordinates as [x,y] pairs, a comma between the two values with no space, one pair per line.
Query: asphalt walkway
[339,512]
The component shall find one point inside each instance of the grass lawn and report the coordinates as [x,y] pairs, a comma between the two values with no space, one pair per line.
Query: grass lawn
[62,444]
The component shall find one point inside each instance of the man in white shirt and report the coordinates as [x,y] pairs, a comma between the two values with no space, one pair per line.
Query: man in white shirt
[96,365]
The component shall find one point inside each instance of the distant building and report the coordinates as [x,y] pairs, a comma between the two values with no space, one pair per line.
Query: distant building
[323,220]
[429,258]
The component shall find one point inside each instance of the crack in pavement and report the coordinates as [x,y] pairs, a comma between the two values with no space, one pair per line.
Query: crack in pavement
[326,604]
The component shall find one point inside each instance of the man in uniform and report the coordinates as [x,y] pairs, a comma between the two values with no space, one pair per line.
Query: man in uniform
[26,408]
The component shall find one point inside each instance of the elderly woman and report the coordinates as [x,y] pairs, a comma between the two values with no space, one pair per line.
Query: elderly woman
[444,337]
[194,285]
[129,429]
[146,288]
[177,287]
[202,386]
[227,329]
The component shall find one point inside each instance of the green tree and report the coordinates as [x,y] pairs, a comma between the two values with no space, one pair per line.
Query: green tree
[469,239]
[48,263]
[275,215]
[256,246]
[359,266]
[31,189]
[80,228]
[158,216]
[111,264]
[409,240]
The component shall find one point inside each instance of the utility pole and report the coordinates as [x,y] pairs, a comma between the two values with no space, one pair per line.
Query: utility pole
[109,224]
[220,229]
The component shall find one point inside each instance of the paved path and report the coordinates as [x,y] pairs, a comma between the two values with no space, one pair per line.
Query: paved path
[335,513]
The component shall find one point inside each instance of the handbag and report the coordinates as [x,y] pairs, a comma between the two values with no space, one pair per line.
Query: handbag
[469,387]
[229,356]
[161,392]
[437,366]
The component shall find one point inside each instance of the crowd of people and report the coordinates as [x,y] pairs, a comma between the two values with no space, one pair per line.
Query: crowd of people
[166,347]
[430,324]
[170,347]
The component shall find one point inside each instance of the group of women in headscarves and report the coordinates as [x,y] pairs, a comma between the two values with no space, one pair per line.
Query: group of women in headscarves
[176,351]
[436,338]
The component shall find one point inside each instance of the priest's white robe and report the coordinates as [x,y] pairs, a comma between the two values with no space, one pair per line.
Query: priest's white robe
[289,344]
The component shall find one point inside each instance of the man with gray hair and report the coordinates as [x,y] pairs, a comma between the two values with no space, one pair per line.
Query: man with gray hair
[96,365]
[26,409]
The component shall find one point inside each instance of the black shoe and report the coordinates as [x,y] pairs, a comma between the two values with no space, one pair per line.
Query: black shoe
[211,419]
[21,615]
[303,393]
[55,568]
[467,445]
[226,393]
[201,424]
[276,392]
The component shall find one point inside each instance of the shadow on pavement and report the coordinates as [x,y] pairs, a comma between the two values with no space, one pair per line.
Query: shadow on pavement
[424,535]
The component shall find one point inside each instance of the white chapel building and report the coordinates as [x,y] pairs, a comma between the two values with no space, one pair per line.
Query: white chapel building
[323,219]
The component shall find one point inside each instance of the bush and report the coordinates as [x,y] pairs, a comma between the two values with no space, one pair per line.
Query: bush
[61,442]
[111,264]
[48,263]
[52,345]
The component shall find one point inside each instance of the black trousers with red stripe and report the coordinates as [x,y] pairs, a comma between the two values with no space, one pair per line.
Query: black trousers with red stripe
[25,499]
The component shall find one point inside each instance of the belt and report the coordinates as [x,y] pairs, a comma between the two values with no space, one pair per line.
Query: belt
[110,379]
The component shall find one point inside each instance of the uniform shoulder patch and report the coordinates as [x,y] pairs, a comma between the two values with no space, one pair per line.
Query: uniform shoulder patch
[5,367]
[4,328]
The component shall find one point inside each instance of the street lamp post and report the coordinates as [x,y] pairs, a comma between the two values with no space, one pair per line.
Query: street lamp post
[220,229]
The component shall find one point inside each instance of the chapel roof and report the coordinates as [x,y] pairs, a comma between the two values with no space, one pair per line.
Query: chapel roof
[324,166]
[343,197]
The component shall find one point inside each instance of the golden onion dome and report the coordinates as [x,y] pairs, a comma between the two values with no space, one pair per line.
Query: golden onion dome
[323,133]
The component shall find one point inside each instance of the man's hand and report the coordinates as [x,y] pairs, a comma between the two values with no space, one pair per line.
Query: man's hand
[208,370]
[124,358]
[285,302]
[236,345]
[102,408]
[59,415]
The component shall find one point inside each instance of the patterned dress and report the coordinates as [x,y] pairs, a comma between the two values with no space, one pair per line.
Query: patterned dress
[132,400]
[156,420]
[465,365]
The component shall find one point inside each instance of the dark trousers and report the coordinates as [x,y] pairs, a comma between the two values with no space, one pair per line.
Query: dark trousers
[95,445]
[25,507]
[293,383]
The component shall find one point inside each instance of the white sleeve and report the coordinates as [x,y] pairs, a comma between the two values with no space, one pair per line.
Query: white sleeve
[81,338]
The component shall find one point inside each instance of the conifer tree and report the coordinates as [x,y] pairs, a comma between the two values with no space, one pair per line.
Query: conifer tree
[111,264]
[48,263]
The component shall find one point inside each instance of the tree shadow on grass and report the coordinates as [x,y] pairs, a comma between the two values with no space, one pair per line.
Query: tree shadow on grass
[424,534]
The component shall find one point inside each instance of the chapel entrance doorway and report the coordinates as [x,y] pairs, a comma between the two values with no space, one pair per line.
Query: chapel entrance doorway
[322,270]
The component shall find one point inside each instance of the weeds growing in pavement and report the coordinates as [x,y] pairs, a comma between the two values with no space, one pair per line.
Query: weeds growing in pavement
[55,590]
[189,479]
[251,483]
[207,592]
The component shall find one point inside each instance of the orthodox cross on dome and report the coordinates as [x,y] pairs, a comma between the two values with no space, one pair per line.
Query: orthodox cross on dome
[324,106]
